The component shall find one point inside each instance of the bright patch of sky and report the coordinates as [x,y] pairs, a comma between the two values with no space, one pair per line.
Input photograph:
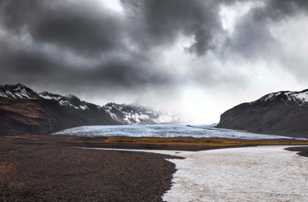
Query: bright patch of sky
[114,5]
[230,14]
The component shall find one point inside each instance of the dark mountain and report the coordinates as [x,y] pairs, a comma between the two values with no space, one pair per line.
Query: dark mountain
[23,110]
[283,113]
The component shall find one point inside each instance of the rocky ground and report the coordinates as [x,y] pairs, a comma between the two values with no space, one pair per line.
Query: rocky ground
[50,171]
[302,151]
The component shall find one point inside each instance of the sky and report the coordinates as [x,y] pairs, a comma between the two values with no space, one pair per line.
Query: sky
[193,58]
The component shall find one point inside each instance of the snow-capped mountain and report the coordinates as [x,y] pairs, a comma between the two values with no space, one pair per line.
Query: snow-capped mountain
[26,110]
[135,114]
[22,92]
[131,114]
[17,91]
[284,112]
[70,101]
[296,97]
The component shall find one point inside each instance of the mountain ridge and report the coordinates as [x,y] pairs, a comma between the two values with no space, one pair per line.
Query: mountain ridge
[25,111]
[282,113]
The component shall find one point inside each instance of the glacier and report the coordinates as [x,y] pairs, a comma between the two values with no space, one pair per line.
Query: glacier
[165,130]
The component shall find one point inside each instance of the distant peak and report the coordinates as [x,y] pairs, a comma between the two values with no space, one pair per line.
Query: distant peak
[15,86]
[17,91]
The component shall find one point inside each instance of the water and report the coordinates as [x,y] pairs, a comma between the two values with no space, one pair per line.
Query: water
[164,130]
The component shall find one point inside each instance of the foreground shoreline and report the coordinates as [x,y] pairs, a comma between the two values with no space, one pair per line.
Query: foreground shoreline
[55,168]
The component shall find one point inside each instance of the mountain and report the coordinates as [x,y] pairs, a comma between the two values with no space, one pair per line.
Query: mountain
[131,114]
[26,111]
[134,114]
[283,113]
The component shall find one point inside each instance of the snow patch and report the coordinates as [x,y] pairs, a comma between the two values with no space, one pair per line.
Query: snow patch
[242,174]
[302,96]
[65,101]
[289,96]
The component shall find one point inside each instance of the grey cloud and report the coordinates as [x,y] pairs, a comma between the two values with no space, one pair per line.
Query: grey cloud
[277,9]
[80,28]
[94,33]
[15,14]
[88,32]
[77,26]
[32,66]
[252,37]
[159,22]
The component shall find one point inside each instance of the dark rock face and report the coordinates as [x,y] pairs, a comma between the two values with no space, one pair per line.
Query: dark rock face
[283,113]
[23,110]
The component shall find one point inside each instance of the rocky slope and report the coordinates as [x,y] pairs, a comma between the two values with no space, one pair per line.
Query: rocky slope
[23,110]
[284,113]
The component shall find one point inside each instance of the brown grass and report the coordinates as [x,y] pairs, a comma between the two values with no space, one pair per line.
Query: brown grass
[194,143]
[147,142]
[7,168]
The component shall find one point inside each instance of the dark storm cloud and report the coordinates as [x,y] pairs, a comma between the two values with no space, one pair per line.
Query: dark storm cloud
[95,33]
[16,14]
[87,34]
[82,29]
[35,67]
[159,22]
[78,26]
[115,48]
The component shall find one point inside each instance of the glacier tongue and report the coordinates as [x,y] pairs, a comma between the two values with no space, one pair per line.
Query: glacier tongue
[164,130]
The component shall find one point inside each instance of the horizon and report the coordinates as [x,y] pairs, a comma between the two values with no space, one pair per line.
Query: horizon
[194,58]
[181,119]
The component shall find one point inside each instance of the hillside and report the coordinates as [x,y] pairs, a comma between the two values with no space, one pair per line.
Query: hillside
[26,111]
[283,113]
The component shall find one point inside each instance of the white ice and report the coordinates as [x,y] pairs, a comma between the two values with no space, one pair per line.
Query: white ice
[262,174]
[164,130]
